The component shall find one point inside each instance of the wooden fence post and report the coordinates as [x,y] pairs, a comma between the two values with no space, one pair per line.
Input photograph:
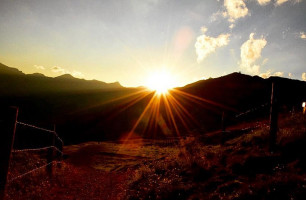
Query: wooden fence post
[273,117]
[8,118]
[50,155]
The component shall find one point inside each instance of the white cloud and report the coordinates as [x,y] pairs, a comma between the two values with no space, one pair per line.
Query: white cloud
[280,74]
[265,61]
[57,69]
[77,74]
[203,29]
[303,35]
[304,76]
[215,16]
[206,45]
[219,14]
[268,73]
[279,2]
[39,67]
[60,70]
[231,26]
[263,2]
[250,52]
[235,9]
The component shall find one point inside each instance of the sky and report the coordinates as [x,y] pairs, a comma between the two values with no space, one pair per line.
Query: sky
[127,40]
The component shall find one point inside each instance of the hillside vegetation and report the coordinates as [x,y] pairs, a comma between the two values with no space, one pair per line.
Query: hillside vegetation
[236,167]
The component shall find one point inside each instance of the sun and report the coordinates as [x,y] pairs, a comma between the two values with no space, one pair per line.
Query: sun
[161,82]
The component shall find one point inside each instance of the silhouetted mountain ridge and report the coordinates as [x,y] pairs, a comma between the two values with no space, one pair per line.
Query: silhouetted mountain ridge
[15,82]
[9,70]
[36,75]
[241,91]
[65,76]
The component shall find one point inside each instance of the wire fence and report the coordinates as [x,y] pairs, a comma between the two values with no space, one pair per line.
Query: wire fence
[252,110]
[50,149]
[31,171]
[42,129]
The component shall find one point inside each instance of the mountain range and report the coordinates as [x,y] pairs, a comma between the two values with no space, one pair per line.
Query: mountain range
[93,110]
[15,82]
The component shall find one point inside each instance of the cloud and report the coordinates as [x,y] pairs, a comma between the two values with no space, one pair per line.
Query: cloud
[235,9]
[268,73]
[265,61]
[39,67]
[303,35]
[263,2]
[279,2]
[77,74]
[206,45]
[219,14]
[280,74]
[250,52]
[60,70]
[57,69]
[304,76]
[231,26]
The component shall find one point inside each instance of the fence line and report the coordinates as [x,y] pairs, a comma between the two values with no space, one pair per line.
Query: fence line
[52,147]
[31,171]
[42,129]
[253,109]
[38,149]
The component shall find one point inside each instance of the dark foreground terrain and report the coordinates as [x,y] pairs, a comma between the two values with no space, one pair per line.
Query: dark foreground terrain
[232,165]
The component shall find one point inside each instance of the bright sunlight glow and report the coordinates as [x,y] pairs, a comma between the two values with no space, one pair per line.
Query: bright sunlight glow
[161,82]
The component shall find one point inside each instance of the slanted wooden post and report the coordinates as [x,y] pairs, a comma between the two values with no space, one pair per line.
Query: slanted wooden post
[273,117]
[60,147]
[8,118]
[50,155]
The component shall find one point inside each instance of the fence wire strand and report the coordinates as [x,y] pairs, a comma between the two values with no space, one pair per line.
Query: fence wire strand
[42,129]
[252,110]
[38,149]
[31,171]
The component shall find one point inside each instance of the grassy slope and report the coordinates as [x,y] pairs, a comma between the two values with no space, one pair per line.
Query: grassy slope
[236,165]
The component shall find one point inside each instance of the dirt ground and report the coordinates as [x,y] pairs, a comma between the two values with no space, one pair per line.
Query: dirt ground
[92,170]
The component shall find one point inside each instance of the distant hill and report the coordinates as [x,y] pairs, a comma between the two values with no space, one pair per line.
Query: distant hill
[242,91]
[15,82]
[36,75]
